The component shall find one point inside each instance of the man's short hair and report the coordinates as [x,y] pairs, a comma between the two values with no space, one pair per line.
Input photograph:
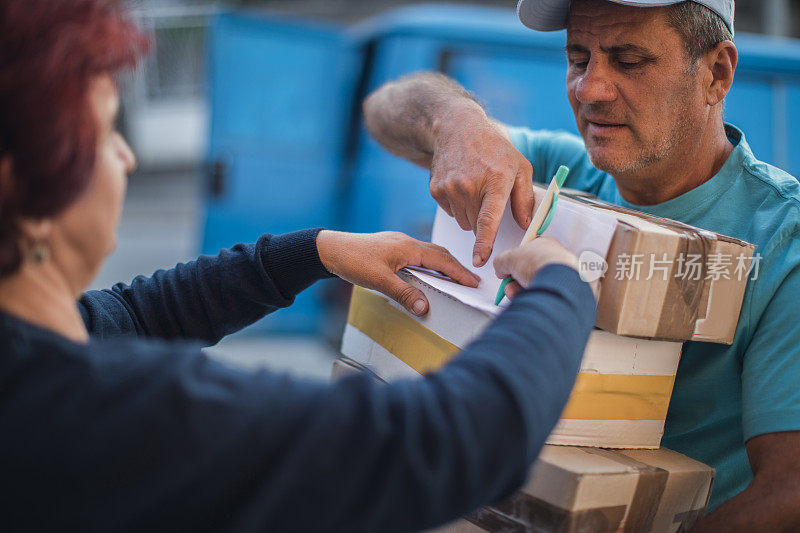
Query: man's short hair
[699,27]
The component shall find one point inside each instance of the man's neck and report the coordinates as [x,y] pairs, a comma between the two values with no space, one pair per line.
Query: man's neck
[39,295]
[692,164]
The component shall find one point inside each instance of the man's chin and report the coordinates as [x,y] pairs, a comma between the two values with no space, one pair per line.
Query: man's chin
[602,158]
[609,160]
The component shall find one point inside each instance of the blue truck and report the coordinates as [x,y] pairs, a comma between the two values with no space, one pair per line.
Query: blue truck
[288,149]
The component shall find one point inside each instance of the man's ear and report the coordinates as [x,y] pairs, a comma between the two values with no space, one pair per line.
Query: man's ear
[721,62]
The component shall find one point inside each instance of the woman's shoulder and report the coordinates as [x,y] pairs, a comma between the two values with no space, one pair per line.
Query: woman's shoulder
[37,355]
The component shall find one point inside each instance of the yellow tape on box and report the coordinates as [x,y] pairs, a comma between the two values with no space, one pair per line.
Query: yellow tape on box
[604,401]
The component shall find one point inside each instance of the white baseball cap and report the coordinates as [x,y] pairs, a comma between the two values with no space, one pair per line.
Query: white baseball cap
[551,15]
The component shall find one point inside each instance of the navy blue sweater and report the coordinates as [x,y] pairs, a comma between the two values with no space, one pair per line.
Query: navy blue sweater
[132,434]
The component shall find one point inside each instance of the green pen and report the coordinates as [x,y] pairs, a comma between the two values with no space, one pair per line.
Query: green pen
[541,220]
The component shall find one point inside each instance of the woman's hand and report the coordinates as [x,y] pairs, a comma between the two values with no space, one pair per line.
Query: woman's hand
[524,262]
[372,261]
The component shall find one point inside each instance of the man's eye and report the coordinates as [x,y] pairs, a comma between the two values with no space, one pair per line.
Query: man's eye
[579,63]
[630,63]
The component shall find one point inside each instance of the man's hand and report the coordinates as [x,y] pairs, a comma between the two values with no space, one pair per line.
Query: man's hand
[372,261]
[474,170]
[524,262]
[431,120]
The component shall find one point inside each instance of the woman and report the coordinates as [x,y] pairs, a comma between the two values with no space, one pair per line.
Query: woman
[110,420]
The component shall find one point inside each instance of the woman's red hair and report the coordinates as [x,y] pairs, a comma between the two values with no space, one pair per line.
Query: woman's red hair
[50,50]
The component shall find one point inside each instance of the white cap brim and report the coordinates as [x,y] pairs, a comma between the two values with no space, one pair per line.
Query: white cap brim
[544,15]
[552,15]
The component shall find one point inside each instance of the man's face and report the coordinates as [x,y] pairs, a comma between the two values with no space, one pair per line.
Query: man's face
[631,86]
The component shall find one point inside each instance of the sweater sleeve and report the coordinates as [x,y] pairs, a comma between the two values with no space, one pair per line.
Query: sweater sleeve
[205,446]
[210,297]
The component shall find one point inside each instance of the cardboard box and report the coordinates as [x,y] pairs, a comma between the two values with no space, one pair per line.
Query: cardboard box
[593,490]
[661,279]
[344,367]
[620,398]
[669,297]
[575,488]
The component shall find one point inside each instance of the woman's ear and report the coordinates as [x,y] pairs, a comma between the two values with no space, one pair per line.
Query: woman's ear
[34,239]
[721,62]
[35,231]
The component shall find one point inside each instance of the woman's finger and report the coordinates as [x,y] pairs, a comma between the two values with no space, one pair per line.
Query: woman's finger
[442,261]
[502,264]
[406,295]
[512,289]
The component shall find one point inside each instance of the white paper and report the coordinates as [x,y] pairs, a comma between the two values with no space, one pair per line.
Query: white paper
[481,298]
[579,228]
[447,233]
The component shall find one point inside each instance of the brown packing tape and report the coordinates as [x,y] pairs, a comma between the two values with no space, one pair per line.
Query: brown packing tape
[688,519]
[650,486]
[612,295]
[539,515]
[495,522]
[703,306]
[685,296]
[646,499]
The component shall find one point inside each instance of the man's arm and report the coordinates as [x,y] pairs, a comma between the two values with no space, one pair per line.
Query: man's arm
[406,115]
[770,399]
[772,500]
[432,121]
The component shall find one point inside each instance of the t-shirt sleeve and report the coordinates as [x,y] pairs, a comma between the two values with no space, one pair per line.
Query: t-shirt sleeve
[771,363]
[548,150]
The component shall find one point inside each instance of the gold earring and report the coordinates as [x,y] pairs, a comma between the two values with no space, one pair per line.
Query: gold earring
[39,253]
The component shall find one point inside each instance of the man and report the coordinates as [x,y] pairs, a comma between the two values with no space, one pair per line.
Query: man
[647,83]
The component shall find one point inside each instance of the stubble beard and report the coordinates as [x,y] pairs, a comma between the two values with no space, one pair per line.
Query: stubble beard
[647,153]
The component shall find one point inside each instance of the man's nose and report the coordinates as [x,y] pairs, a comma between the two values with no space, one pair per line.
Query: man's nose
[595,85]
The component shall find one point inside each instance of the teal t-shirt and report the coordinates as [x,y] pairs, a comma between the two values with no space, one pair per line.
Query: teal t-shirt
[724,395]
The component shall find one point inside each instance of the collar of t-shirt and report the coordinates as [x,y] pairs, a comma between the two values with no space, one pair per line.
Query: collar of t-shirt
[696,201]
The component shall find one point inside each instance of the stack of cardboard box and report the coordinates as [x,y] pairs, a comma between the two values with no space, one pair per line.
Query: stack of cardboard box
[659,283]
[587,489]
